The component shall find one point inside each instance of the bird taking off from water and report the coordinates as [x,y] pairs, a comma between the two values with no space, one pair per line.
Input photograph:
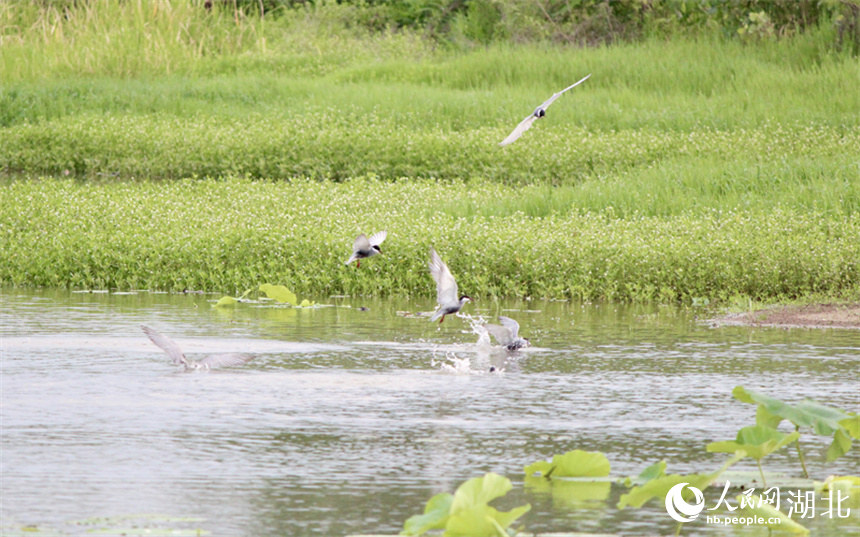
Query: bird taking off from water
[446,288]
[539,112]
[507,334]
[210,362]
[364,247]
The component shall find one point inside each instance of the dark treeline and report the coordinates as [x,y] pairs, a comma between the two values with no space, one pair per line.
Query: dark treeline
[588,22]
[573,22]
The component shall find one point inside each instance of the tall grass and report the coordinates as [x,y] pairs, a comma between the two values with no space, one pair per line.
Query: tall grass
[663,85]
[158,37]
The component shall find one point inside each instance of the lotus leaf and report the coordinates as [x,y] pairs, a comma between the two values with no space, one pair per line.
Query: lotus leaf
[822,419]
[757,441]
[574,463]
[466,513]
[845,487]
[655,471]
[659,487]
[279,293]
[435,516]
[767,513]
[229,300]
[225,301]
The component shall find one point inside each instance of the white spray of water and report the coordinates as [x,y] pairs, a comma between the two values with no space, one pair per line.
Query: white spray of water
[453,364]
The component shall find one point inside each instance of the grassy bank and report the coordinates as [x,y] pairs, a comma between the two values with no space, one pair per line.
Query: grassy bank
[692,167]
[309,95]
[231,234]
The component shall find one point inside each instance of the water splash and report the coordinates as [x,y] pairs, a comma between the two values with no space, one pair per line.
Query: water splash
[476,325]
[454,365]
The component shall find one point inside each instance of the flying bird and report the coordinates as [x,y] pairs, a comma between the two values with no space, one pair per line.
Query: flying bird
[364,247]
[446,288]
[539,112]
[210,362]
[508,334]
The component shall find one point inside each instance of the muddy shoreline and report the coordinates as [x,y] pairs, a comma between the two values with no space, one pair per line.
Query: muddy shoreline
[845,315]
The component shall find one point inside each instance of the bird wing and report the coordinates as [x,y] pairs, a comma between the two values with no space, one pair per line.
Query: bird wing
[166,344]
[377,238]
[225,360]
[502,334]
[511,325]
[361,243]
[521,128]
[446,286]
[549,101]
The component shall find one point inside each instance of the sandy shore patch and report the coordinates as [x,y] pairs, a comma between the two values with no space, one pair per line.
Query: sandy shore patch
[808,316]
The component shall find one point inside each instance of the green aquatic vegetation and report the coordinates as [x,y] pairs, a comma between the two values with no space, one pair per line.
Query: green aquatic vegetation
[158,235]
[821,419]
[672,170]
[279,293]
[570,492]
[658,487]
[571,478]
[231,301]
[576,463]
[466,513]
[841,486]
[435,516]
[753,507]
[655,471]
[756,441]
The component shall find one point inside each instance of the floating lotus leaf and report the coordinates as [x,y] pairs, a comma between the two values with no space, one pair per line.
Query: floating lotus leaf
[279,293]
[229,300]
[225,301]
[841,487]
[574,463]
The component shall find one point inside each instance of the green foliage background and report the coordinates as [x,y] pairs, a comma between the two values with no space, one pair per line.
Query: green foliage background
[713,152]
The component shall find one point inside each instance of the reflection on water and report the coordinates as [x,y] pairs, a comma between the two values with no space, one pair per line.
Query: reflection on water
[349,420]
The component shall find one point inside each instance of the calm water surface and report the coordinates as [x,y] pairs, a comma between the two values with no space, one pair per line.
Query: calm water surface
[348,421]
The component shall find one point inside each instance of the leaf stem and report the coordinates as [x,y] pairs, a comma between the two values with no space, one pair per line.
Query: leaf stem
[678,529]
[763,482]
[800,454]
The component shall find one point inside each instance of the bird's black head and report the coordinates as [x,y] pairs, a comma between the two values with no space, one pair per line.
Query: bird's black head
[465,297]
[376,247]
[541,112]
